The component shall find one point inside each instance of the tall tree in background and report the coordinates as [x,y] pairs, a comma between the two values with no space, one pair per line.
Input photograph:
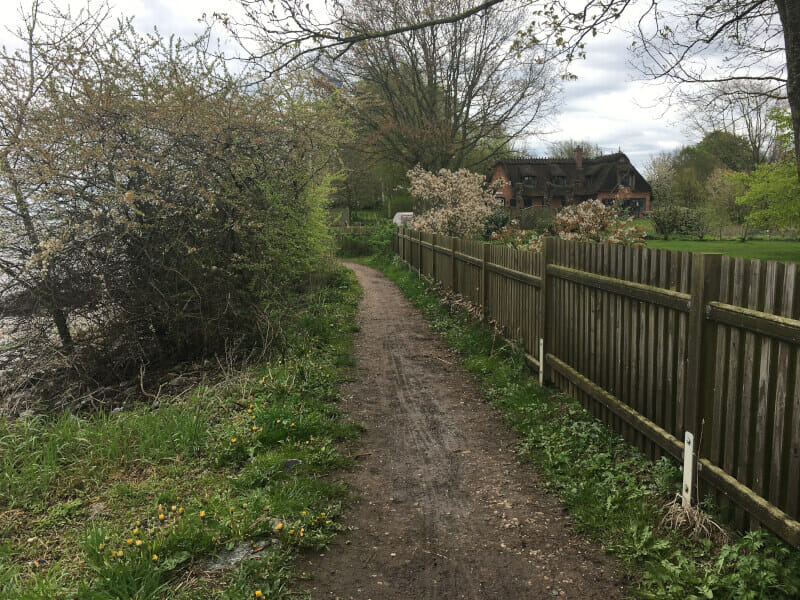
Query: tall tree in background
[448,96]
[709,47]
[739,108]
[702,42]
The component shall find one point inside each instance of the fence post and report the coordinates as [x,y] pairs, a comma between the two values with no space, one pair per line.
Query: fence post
[453,246]
[702,352]
[546,312]
[433,257]
[484,280]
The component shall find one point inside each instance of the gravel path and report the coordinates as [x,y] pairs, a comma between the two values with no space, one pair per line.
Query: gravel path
[446,510]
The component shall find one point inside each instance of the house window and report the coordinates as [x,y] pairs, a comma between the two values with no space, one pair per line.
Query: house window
[512,202]
[529,180]
[559,180]
[528,201]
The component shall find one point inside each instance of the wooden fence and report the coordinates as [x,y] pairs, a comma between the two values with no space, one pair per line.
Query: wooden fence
[656,343]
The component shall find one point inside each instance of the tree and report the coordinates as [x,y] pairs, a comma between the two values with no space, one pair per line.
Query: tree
[738,108]
[566,149]
[723,188]
[748,40]
[752,45]
[733,151]
[154,207]
[450,96]
[772,196]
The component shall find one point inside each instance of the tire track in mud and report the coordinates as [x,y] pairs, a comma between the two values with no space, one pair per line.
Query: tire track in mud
[446,511]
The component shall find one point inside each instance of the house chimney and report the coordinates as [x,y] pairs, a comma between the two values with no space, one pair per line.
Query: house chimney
[578,157]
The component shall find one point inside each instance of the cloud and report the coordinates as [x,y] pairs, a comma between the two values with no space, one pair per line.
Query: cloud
[608,107]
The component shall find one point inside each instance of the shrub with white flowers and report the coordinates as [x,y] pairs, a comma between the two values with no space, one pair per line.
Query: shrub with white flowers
[589,221]
[457,203]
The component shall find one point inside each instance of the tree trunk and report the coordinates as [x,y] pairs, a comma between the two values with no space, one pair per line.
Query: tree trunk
[60,319]
[789,11]
[59,316]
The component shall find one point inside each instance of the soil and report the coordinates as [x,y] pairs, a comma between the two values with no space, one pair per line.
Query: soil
[446,510]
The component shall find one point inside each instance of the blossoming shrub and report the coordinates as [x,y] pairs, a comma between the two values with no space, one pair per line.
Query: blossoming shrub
[589,221]
[455,203]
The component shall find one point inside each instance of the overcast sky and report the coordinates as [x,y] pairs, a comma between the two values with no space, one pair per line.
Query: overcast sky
[605,105]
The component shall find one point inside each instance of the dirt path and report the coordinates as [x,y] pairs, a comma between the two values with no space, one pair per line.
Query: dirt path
[446,510]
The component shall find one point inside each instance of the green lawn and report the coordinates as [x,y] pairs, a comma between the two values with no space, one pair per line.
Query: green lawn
[782,251]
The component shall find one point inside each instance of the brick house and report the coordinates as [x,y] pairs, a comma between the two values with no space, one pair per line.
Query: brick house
[555,182]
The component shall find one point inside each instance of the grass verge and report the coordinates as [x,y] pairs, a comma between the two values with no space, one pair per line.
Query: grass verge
[615,493]
[780,250]
[142,503]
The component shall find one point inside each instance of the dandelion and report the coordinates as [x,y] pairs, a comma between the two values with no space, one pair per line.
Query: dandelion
[254,428]
[249,411]
[233,440]
[292,424]
[129,541]
[135,531]
[213,538]
[244,505]
[259,594]
[108,539]
[279,526]
[328,522]
[277,420]
[252,405]
[302,512]
[302,532]
[101,546]
[291,532]
[160,516]
[202,514]
[180,510]
[138,523]
[155,557]
[138,543]
[120,553]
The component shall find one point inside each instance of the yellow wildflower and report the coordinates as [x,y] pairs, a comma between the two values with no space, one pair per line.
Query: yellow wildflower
[155,557]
